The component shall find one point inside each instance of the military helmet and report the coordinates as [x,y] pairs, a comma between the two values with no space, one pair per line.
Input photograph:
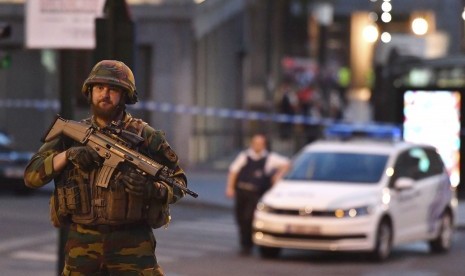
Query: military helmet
[112,72]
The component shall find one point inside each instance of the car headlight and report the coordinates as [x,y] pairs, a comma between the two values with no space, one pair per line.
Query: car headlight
[262,207]
[352,212]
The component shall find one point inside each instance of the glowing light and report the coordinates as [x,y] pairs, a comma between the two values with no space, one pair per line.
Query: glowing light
[463,14]
[370,33]
[261,206]
[386,17]
[386,198]
[386,37]
[419,26]
[308,210]
[386,7]
[339,213]
[352,213]
[419,107]
[389,171]
[373,16]
[454,179]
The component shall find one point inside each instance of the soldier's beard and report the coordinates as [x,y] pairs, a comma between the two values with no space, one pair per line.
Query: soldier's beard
[108,114]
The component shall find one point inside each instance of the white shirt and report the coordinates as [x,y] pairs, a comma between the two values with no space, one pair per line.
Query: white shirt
[273,161]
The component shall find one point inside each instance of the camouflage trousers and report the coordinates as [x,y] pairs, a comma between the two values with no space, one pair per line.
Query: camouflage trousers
[99,251]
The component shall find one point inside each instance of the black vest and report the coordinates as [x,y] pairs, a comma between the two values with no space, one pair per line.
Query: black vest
[253,173]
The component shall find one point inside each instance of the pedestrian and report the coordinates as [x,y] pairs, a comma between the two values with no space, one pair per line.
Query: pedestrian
[251,174]
[110,228]
[288,105]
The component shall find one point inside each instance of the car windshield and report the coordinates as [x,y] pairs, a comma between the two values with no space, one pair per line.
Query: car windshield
[340,167]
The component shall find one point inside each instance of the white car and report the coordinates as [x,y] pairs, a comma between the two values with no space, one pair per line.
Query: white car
[358,195]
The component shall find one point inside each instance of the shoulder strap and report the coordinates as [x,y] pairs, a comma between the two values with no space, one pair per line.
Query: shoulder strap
[135,125]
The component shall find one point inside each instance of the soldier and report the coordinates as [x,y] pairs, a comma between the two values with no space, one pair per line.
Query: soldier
[110,228]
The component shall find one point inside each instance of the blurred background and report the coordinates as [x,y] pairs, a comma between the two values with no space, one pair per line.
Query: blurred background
[211,72]
[219,55]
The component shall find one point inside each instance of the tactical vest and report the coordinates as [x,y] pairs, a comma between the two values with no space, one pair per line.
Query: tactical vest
[252,176]
[77,199]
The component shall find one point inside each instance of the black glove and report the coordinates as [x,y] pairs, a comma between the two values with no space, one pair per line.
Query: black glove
[83,157]
[140,185]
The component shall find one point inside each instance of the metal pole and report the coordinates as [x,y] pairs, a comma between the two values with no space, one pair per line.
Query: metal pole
[268,82]
[324,14]
[115,35]
[68,84]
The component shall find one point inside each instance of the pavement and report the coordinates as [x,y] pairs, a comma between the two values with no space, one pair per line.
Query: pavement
[210,185]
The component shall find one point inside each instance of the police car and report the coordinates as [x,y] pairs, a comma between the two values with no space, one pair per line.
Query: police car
[358,195]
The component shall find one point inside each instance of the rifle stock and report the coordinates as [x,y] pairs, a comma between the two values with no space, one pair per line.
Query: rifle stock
[112,152]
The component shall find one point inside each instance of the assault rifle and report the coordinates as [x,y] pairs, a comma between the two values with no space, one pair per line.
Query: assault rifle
[114,149]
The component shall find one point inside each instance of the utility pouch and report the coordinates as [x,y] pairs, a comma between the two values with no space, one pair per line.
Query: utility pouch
[61,198]
[158,213]
[122,206]
[72,198]
[57,218]
[77,192]
[84,194]
[135,205]
[117,202]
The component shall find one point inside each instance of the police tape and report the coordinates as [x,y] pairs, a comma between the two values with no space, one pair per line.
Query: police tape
[29,103]
[333,128]
[228,113]
[181,109]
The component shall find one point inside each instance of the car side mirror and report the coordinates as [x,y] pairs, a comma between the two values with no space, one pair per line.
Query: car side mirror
[403,183]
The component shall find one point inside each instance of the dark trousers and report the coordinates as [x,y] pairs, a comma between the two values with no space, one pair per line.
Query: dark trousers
[245,204]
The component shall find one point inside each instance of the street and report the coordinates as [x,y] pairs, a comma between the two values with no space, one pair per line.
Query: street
[201,240]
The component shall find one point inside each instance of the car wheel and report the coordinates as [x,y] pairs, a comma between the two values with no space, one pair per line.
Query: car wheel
[269,252]
[443,241]
[383,241]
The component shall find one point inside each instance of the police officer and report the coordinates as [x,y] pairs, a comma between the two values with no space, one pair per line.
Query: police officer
[110,228]
[250,175]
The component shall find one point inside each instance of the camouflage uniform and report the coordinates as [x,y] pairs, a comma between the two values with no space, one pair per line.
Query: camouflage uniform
[101,240]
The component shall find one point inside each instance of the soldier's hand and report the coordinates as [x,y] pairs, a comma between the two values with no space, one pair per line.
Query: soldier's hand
[140,185]
[159,190]
[83,157]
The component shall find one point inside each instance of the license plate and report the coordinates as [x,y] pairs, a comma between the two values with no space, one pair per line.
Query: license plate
[303,229]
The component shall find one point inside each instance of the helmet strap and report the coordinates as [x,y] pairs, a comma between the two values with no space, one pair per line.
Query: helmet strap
[121,107]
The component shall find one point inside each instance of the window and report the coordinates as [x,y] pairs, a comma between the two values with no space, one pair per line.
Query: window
[414,163]
[437,166]
[339,167]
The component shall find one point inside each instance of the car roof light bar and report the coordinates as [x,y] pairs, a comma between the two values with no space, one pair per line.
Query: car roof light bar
[346,131]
